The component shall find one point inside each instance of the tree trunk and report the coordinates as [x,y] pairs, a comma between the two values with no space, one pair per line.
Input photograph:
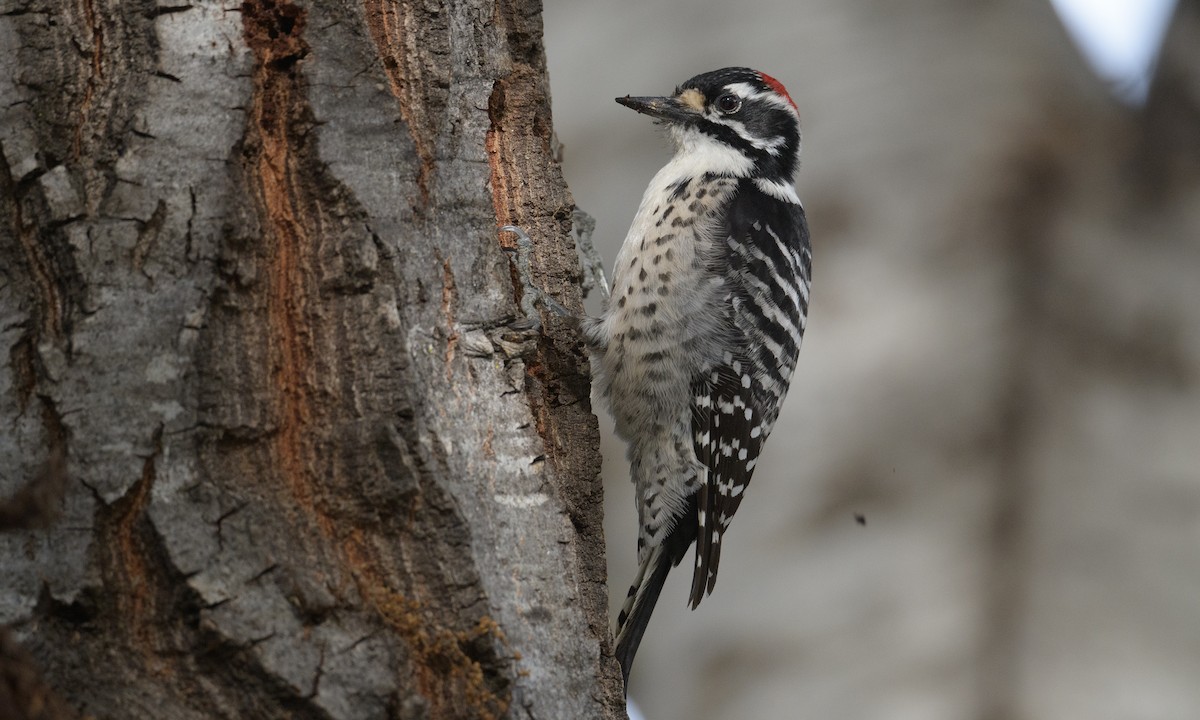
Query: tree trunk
[251,290]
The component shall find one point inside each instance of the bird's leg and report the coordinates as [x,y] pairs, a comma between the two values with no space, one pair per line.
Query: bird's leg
[582,226]
[531,295]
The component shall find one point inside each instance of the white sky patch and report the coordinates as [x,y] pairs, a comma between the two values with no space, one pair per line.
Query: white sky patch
[1121,40]
[632,710]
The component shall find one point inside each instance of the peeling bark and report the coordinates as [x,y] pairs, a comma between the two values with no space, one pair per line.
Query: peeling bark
[259,366]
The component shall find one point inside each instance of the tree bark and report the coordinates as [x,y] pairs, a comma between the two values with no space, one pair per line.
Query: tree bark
[251,290]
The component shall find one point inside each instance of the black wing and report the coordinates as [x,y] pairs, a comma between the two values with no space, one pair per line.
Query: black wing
[735,406]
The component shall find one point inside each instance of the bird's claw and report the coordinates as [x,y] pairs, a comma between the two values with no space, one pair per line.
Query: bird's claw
[531,295]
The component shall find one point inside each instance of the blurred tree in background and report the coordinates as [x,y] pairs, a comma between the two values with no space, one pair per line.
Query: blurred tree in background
[1001,371]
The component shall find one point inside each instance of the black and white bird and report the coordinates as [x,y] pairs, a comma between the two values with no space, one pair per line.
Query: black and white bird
[698,344]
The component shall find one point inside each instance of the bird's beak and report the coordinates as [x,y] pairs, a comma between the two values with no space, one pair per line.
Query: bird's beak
[663,108]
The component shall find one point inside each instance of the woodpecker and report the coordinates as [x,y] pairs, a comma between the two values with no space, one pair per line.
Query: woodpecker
[696,347]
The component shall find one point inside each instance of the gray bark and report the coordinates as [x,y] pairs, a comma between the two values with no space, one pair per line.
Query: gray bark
[251,290]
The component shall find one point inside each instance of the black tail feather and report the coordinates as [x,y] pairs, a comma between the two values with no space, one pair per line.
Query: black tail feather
[629,635]
[632,622]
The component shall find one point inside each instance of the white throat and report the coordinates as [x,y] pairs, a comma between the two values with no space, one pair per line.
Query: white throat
[697,153]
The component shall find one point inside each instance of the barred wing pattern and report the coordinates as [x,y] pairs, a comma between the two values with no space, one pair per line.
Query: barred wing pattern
[735,406]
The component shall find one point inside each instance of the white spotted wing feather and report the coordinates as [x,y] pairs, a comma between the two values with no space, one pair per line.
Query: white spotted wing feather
[736,403]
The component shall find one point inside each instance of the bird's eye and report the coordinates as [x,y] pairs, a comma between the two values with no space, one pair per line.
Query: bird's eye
[729,104]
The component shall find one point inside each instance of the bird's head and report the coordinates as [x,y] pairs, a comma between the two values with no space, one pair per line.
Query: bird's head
[739,121]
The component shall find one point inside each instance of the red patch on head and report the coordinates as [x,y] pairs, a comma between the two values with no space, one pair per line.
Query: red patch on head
[778,87]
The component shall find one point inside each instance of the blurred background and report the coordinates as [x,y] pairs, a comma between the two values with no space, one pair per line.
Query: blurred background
[1001,374]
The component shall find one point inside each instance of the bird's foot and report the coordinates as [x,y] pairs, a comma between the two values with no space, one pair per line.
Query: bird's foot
[532,296]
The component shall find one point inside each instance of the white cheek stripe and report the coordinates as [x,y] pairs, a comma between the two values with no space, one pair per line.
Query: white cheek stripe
[771,145]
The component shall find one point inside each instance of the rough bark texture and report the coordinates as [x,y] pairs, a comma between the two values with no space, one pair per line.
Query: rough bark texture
[251,291]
